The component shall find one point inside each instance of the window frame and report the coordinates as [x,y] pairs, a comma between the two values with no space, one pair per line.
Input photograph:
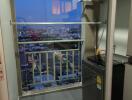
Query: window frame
[14,23]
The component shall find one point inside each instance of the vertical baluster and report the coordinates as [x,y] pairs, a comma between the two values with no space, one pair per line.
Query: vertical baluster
[78,61]
[47,66]
[26,70]
[54,66]
[73,64]
[61,68]
[40,66]
[67,67]
[79,64]
[33,66]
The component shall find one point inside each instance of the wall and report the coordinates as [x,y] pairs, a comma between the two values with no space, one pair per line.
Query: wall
[89,35]
[3,82]
[121,31]
[7,35]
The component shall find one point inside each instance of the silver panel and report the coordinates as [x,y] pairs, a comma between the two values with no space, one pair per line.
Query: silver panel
[129,47]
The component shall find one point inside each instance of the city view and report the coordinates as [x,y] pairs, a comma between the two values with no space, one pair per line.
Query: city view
[45,65]
[48,32]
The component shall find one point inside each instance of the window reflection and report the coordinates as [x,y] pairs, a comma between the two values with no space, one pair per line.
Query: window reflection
[63,6]
[48,10]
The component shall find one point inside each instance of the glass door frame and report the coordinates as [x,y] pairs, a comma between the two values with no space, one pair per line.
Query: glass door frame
[14,23]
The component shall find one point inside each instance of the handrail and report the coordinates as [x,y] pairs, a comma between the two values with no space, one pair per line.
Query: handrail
[39,52]
[54,23]
[53,41]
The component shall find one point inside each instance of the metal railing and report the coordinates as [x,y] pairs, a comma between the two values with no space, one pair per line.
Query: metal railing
[55,65]
[61,57]
[55,23]
[53,41]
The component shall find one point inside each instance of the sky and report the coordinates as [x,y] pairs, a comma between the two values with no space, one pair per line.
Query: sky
[48,10]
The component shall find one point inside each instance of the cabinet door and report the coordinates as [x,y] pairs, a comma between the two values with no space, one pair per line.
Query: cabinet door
[3,81]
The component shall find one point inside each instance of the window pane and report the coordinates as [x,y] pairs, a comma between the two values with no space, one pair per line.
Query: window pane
[48,10]
[45,64]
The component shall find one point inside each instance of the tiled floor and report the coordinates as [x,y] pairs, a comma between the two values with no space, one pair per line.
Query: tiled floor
[75,94]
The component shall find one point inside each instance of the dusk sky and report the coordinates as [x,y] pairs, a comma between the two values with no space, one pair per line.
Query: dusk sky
[48,10]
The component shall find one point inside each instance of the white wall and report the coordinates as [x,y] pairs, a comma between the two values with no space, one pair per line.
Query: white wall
[7,35]
[121,32]
[3,82]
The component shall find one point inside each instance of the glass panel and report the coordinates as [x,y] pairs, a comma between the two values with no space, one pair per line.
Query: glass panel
[48,10]
[49,64]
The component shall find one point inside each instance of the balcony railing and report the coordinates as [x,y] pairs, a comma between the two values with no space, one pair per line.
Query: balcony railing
[51,69]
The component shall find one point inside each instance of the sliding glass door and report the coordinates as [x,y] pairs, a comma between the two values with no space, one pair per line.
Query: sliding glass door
[48,40]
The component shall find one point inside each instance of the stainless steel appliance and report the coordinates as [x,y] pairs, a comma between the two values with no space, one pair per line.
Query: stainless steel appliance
[94,79]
